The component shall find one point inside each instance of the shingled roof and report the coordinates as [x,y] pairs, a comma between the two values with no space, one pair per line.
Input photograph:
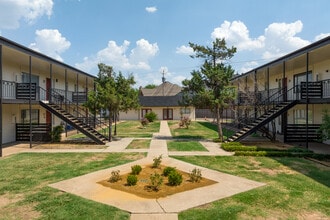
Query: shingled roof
[166,94]
[165,89]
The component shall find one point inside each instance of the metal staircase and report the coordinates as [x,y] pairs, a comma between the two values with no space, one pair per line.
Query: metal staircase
[274,106]
[74,115]
[258,123]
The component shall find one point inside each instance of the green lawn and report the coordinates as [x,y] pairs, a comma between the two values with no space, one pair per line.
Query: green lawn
[197,130]
[24,179]
[296,188]
[134,129]
[139,144]
[185,146]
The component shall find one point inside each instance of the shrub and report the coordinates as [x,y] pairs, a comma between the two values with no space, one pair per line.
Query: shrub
[157,161]
[136,169]
[56,133]
[227,147]
[168,170]
[195,175]
[156,181]
[185,122]
[144,122]
[174,178]
[151,116]
[131,180]
[114,176]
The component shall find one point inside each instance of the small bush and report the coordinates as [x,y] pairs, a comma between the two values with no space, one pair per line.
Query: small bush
[174,178]
[195,175]
[185,122]
[136,169]
[131,180]
[168,170]
[151,116]
[114,176]
[56,133]
[157,161]
[144,122]
[156,181]
[237,147]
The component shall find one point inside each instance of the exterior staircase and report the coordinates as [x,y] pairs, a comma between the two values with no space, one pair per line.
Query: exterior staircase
[261,121]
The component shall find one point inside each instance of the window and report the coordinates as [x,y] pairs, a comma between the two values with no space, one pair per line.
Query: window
[299,116]
[301,77]
[185,110]
[25,116]
[144,111]
[26,78]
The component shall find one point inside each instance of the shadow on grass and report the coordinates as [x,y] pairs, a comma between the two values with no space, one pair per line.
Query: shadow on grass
[312,169]
[208,125]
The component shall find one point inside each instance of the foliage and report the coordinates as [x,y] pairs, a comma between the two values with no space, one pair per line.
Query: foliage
[174,178]
[136,169]
[324,130]
[113,93]
[157,161]
[151,116]
[56,133]
[144,122]
[185,122]
[131,180]
[168,170]
[114,176]
[195,175]
[150,86]
[156,180]
[209,86]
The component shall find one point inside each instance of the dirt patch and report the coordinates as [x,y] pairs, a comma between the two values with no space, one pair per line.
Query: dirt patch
[142,188]
[10,209]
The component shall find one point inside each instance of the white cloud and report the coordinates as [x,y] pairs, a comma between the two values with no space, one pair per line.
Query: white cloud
[151,9]
[237,34]
[321,36]
[50,42]
[186,50]
[119,57]
[13,11]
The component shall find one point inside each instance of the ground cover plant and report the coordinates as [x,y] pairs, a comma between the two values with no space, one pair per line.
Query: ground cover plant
[296,189]
[197,130]
[24,191]
[180,145]
[139,144]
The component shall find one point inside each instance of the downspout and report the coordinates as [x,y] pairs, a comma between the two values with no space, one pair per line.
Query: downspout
[0,100]
[307,97]
[30,92]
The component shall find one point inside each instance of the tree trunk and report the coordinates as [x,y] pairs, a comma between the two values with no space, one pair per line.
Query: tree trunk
[110,127]
[115,131]
[220,135]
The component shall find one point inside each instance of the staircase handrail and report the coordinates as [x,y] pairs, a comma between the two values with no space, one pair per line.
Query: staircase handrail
[268,103]
[75,110]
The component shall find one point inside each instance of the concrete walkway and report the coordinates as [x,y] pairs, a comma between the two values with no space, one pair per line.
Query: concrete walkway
[153,209]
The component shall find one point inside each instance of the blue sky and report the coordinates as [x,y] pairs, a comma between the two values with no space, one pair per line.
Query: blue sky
[147,37]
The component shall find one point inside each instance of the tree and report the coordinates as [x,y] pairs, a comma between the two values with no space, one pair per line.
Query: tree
[112,94]
[210,85]
[150,86]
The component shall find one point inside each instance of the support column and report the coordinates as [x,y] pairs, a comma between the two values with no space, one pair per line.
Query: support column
[30,104]
[307,97]
[0,100]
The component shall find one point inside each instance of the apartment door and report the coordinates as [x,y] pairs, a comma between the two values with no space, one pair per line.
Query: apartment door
[167,114]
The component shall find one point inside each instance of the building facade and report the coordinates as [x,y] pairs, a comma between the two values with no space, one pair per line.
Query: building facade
[30,83]
[297,89]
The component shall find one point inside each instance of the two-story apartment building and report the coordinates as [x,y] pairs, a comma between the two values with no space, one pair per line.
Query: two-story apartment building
[38,93]
[291,92]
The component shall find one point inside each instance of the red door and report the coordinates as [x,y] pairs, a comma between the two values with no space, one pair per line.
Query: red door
[167,114]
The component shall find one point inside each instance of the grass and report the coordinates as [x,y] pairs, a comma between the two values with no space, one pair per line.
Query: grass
[139,144]
[197,130]
[24,179]
[185,146]
[296,189]
[134,129]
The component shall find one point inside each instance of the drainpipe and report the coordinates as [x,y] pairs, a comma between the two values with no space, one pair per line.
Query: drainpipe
[307,97]
[0,100]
